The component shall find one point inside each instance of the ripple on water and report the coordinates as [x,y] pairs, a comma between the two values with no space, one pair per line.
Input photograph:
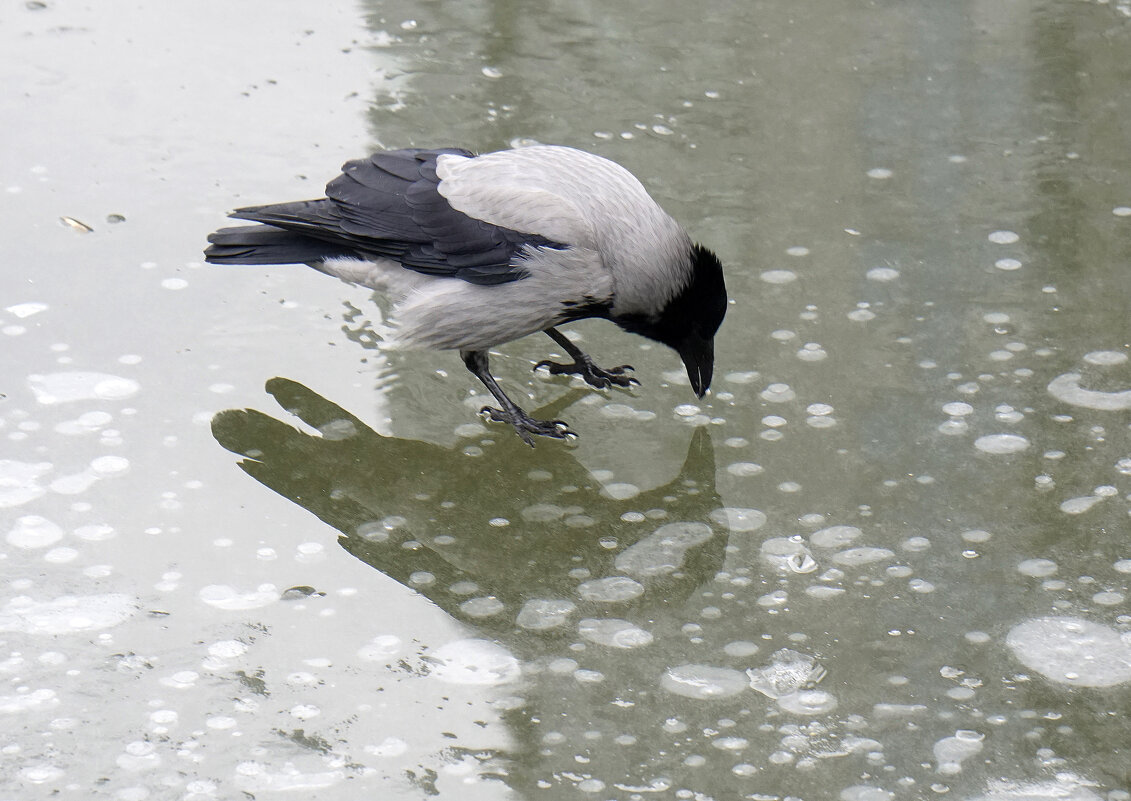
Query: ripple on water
[1071,650]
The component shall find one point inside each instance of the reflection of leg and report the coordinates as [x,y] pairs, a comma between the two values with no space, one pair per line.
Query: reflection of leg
[583,366]
[524,424]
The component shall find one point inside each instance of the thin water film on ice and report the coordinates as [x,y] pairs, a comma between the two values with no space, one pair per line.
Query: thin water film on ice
[248,553]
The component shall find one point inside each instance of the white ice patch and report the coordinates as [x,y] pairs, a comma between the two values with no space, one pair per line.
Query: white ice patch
[703,681]
[223,596]
[77,385]
[882,274]
[67,614]
[951,751]
[1104,358]
[610,589]
[33,531]
[835,536]
[474,661]
[778,276]
[1001,443]
[18,481]
[734,518]
[381,647]
[808,702]
[862,556]
[787,554]
[540,614]
[1071,650]
[662,551]
[1066,388]
[613,633]
[23,310]
[1065,787]
[37,700]
[788,672]
[253,777]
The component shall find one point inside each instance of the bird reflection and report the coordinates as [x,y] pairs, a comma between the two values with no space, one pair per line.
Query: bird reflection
[432,518]
[512,525]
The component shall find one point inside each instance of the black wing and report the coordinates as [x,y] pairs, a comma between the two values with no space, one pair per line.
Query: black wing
[385,206]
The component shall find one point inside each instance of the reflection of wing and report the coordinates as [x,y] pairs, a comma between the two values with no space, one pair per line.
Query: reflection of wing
[384,206]
[381,492]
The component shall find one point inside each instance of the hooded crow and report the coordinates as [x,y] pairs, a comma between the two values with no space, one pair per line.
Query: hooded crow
[479,250]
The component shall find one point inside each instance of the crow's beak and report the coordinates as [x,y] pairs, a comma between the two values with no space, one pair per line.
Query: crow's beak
[698,356]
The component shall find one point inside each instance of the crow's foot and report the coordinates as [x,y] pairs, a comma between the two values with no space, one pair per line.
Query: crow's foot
[525,425]
[594,376]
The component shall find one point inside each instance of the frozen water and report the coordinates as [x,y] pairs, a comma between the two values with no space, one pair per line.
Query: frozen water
[835,536]
[610,589]
[68,614]
[703,681]
[738,519]
[33,531]
[474,661]
[223,596]
[788,672]
[663,550]
[67,387]
[1001,443]
[882,274]
[613,633]
[951,752]
[19,481]
[542,614]
[853,557]
[1071,650]
[1066,388]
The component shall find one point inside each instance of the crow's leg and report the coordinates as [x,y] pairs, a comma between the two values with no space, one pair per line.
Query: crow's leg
[524,424]
[583,366]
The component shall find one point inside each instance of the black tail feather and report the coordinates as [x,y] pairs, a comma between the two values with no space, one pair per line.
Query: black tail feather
[264,244]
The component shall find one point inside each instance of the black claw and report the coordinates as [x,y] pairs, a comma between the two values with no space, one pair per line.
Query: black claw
[595,376]
[525,426]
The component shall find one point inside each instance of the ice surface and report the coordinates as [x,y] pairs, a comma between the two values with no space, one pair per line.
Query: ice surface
[68,614]
[474,661]
[703,681]
[662,551]
[1071,650]
[66,387]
